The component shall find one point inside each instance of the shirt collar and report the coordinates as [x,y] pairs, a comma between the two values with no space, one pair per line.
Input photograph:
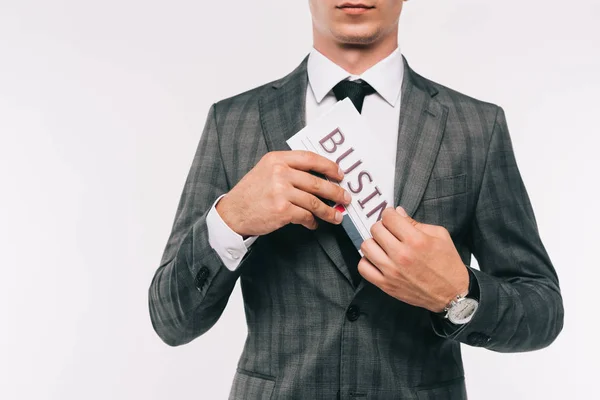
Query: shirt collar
[385,76]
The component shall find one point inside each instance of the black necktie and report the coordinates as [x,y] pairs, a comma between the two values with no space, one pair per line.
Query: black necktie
[356,91]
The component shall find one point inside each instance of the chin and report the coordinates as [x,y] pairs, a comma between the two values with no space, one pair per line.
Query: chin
[357,35]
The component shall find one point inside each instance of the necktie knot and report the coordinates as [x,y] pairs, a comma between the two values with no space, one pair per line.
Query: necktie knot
[355,90]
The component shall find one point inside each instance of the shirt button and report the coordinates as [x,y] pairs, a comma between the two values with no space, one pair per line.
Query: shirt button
[353,312]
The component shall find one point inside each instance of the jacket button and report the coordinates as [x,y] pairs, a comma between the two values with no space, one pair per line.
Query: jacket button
[201,276]
[478,339]
[353,312]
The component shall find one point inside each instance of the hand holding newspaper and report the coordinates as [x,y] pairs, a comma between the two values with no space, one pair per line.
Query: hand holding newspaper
[341,135]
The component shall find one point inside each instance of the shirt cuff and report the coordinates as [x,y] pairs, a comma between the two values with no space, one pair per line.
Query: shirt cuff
[229,245]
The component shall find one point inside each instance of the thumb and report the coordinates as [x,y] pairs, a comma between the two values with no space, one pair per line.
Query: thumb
[423,227]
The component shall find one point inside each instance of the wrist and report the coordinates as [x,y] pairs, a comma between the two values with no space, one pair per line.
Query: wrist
[460,310]
[465,283]
[461,289]
[223,208]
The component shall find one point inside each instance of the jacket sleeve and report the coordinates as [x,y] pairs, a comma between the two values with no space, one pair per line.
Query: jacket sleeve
[520,304]
[191,287]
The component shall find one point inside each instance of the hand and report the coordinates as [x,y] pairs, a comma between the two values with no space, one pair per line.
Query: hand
[279,191]
[413,262]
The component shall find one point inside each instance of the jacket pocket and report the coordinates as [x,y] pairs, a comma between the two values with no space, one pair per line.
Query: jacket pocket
[445,186]
[454,389]
[251,386]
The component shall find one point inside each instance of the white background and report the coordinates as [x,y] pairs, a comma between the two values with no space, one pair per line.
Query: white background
[101,107]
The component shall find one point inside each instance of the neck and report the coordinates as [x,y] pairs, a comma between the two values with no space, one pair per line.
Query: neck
[356,59]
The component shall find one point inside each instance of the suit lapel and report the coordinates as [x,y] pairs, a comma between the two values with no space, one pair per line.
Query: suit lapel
[283,113]
[283,108]
[421,128]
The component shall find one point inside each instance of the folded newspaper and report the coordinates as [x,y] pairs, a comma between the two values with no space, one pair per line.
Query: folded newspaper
[342,135]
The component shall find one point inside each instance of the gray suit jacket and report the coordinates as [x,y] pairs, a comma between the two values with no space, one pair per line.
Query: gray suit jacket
[311,333]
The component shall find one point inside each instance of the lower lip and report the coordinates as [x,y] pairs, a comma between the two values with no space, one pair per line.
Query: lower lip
[355,10]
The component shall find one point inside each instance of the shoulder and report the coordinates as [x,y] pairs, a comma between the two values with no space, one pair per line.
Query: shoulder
[241,102]
[247,102]
[460,105]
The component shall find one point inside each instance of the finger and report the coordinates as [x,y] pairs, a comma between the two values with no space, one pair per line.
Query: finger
[303,217]
[401,227]
[308,161]
[370,272]
[385,239]
[432,230]
[374,253]
[318,186]
[315,206]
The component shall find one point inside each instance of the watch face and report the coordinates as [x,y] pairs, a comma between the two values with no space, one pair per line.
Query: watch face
[463,311]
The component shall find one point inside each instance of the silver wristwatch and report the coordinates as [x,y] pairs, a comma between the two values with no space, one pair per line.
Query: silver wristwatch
[461,309]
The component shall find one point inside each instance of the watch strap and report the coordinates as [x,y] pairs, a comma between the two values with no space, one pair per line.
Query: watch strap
[473,285]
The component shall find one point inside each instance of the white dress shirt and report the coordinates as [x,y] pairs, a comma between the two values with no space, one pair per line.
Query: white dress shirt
[381,111]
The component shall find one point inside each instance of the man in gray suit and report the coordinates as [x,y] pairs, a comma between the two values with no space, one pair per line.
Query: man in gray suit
[323,322]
